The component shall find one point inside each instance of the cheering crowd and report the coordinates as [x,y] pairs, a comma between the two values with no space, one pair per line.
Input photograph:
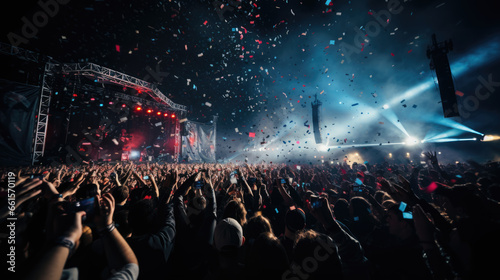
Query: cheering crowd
[259,221]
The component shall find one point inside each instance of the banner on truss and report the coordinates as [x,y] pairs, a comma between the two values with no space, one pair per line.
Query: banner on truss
[198,142]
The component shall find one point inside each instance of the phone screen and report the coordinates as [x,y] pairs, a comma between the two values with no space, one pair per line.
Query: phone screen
[36,176]
[146,177]
[87,205]
[283,181]
[198,184]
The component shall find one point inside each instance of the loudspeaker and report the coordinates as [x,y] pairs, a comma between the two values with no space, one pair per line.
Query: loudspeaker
[439,62]
[316,104]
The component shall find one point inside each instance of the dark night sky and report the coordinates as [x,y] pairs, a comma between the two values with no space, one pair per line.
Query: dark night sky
[260,66]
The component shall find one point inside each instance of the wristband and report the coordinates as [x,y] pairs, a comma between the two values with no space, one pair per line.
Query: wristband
[107,229]
[65,242]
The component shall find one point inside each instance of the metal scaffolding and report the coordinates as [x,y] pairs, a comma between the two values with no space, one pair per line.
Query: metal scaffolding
[43,113]
[104,74]
[20,53]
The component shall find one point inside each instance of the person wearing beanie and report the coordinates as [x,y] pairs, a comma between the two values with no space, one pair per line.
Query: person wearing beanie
[295,221]
[228,239]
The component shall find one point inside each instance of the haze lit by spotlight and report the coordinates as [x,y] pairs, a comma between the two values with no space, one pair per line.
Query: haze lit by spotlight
[411,141]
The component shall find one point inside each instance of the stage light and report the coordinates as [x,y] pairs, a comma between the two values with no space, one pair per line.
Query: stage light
[138,108]
[491,138]
[134,155]
[158,113]
[173,116]
[165,115]
[322,148]
[411,141]
[124,105]
[149,111]
[390,155]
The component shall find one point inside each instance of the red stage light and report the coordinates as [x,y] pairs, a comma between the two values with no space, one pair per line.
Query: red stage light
[124,105]
[158,113]
[139,108]
[166,115]
[149,111]
[173,116]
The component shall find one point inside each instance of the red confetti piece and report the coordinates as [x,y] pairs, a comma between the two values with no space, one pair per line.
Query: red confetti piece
[392,54]
[117,47]
[205,23]
[459,93]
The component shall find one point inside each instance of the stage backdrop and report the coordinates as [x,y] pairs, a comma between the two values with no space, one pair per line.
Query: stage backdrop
[198,142]
[18,108]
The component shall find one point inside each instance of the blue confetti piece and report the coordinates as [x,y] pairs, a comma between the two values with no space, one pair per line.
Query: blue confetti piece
[328,2]
[355,104]
[332,42]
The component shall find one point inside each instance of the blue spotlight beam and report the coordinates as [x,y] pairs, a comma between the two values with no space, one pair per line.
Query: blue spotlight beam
[446,140]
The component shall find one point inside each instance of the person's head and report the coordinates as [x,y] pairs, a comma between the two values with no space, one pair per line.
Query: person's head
[295,220]
[316,255]
[228,236]
[236,210]
[267,258]
[361,210]
[141,216]
[461,201]
[120,194]
[256,225]
[399,223]
[341,209]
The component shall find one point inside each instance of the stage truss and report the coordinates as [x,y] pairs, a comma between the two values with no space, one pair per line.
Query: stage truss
[103,75]
[97,72]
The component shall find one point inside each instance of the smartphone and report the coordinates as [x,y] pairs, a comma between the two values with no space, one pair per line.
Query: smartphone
[315,202]
[36,176]
[283,181]
[298,167]
[198,185]
[145,177]
[87,205]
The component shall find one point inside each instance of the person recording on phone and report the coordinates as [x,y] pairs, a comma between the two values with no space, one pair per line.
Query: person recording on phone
[64,229]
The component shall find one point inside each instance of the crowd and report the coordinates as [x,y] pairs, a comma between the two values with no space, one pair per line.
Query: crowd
[258,221]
